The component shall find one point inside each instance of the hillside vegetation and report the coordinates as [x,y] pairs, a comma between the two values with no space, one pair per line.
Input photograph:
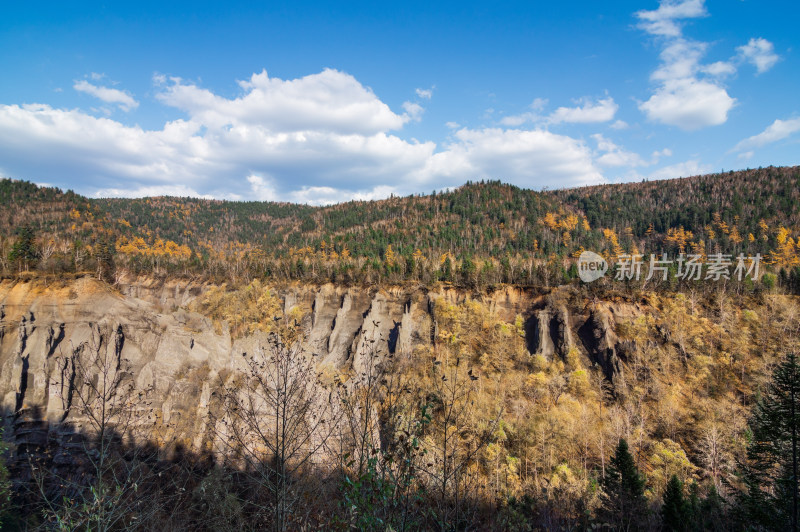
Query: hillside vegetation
[608,406]
[478,235]
[476,429]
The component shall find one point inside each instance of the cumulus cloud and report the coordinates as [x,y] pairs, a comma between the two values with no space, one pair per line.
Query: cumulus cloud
[586,112]
[719,69]
[425,94]
[317,139]
[685,169]
[689,104]
[688,94]
[331,101]
[760,53]
[527,158]
[529,116]
[665,21]
[680,59]
[263,189]
[613,155]
[158,190]
[778,130]
[330,195]
[518,120]
[413,110]
[666,152]
[122,99]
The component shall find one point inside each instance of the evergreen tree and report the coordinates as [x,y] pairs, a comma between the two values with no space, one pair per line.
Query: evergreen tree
[24,251]
[674,512]
[447,271]
[104,254]
[708,514]
[770,473]
[624,506]
[468,269]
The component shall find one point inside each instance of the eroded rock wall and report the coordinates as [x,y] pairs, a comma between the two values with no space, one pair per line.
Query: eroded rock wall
[177,360]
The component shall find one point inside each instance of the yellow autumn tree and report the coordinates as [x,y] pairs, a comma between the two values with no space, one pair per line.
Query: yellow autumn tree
[389,256]
[680,237]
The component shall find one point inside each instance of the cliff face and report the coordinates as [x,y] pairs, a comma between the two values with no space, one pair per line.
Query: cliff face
[177,359]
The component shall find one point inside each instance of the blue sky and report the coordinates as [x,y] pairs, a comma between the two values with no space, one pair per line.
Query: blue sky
[318,103]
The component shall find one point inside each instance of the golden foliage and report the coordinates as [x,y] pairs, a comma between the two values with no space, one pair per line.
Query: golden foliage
[254,307]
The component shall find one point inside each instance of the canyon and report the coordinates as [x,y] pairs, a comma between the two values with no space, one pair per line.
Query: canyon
[176,357]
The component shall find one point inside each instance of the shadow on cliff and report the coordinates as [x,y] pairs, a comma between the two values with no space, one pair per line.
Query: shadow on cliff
[63,478]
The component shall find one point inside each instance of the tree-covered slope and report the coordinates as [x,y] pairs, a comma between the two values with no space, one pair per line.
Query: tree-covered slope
[478,234]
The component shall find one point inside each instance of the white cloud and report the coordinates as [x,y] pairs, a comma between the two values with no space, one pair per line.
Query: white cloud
[589,112]
[664,20]
[680,59]
[613,155]
[452,125]
[688,94]
[684,169]
[534,115]
[666,152]
[778,130]
[159,190]
[518,120]
[114,96]
[719,69]
[329,101]
[689,104]
[760,53]
[425,93]
[330,195]
[538,104]
[263,189]
[586,112]
[526,158]
[619,124]
[317,139]
[413,110]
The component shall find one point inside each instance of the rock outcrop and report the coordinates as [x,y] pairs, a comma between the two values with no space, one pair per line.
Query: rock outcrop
[178,360]
[601,343]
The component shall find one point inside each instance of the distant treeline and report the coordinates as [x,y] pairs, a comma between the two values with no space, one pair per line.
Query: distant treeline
[476,236]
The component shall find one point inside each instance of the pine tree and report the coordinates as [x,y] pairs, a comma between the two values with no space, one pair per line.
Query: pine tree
[24,249]
[104,253]
[770,473]
[708,514]
[674,511]
[447,271]
[624,506]
[468,270]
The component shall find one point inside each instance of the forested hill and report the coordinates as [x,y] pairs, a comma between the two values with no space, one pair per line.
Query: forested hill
[470,219]
[484,230]
[746,197]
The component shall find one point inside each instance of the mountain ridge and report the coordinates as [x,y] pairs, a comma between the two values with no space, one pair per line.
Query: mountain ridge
[479,234]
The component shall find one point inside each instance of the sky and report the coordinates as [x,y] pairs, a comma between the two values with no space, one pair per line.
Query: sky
[319,103]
